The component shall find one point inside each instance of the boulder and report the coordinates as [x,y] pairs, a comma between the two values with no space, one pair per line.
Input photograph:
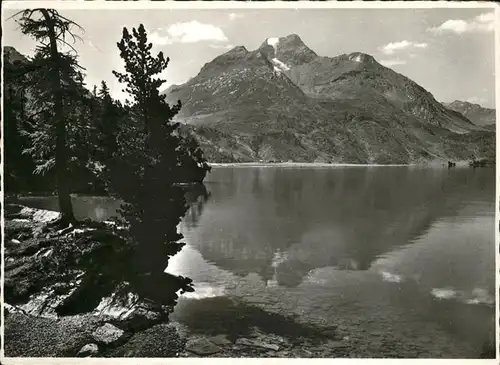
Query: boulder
[12,309]
[256,343]
[202,346]
[140,318]
[44,216]
[220,340]
[108,334]
[88,350]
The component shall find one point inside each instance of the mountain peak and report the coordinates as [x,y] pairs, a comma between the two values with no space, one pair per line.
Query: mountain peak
[361,57]
[238,50]
[462,104]
[225,60]
[293,36]
[478,114]
[289,41]
[290,50]
[292,40]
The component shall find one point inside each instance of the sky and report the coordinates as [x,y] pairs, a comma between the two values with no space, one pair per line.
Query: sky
[450,52]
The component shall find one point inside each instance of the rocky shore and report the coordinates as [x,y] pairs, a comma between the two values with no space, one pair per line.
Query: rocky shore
[93,336]
[33,294]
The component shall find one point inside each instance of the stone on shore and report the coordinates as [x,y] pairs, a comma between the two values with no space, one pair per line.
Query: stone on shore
[88,350]
[108,334]
[202,346]
[40,215]
[255,343]
[140,319]
[220,340]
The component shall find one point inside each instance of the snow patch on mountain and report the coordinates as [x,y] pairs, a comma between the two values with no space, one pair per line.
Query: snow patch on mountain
[356,58]
[273,42]
[280,65]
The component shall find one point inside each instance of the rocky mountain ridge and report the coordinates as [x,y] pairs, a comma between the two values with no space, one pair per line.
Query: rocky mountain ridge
[284,102]
[478,114]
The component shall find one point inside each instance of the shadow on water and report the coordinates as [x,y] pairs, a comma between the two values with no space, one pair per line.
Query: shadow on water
[213,316]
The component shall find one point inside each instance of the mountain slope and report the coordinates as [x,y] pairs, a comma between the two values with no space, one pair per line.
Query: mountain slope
[11,55]
[479,115]
[284,102]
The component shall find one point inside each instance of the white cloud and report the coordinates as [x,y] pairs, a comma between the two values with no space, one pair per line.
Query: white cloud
[482,23]
[392,62]
[157,39]
[394,47]
[234,16]
[187,32]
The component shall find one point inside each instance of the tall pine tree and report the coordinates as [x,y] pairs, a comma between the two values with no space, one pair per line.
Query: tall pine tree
[58,74]
[152,159]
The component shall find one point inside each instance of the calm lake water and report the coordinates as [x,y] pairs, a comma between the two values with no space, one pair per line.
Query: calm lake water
[397,259]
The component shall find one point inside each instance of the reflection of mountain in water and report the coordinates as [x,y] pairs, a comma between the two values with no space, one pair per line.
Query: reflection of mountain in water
[282,223]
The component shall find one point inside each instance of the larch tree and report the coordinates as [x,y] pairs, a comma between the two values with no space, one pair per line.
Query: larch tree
[58,73]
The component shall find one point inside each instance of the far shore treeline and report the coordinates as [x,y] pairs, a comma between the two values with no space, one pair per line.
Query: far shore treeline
[63,138]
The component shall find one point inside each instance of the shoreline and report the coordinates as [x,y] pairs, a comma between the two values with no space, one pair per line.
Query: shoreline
[440,164]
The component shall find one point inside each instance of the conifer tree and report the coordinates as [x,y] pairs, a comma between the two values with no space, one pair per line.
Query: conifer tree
[107,124]
[18,167]
[59,78]
[152,159]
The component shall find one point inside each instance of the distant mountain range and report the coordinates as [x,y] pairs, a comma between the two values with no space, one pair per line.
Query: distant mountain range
[476,113]
[284,102]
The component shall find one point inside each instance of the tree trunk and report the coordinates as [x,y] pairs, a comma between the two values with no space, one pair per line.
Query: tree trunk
[61,157]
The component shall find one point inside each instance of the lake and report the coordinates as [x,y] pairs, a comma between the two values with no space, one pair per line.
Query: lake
[400,261]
